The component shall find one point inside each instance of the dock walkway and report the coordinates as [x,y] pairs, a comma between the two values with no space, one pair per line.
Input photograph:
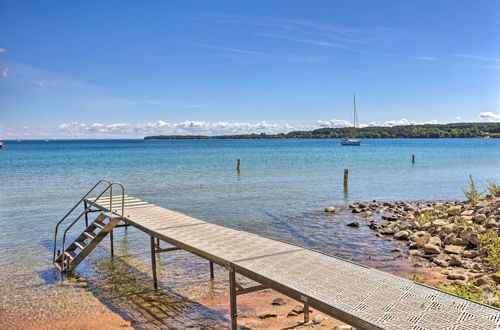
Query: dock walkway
[363,297]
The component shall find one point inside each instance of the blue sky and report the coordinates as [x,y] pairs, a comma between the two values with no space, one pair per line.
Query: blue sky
[133,68]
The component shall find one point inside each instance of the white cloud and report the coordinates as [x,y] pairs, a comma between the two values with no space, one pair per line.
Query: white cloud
[5,73]
[425,58]
[187,127]
[2,50]
[337,123]
[490,117]
[458,118]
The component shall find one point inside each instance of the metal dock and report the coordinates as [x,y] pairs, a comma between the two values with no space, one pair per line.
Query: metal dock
[363,297]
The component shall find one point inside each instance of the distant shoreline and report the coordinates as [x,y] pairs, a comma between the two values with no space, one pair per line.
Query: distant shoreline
[454,130]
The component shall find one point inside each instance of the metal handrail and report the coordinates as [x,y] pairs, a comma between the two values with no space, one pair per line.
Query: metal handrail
[71,211]
[109,186]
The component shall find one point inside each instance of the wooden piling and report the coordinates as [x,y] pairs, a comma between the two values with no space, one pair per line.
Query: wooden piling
[153,262]
[238,164]
[346,177]
[413,159]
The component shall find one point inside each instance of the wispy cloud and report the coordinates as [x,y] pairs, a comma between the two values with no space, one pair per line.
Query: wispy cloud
[2,50]
[490,117]
[233,50]
[478,57]
[425,58]
[5,73]
[307,41]
[422,58]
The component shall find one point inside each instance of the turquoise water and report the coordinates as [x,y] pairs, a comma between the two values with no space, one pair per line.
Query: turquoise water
[280,192]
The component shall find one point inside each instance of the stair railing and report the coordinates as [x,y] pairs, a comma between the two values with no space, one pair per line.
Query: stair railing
[109,187]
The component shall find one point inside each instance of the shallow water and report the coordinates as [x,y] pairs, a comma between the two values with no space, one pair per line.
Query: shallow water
[279,193]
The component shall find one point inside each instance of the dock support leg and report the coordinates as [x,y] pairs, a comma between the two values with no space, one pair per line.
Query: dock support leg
[212,270]
[86,215]
[153,262]
[232,294]
[306,313]
[111,242]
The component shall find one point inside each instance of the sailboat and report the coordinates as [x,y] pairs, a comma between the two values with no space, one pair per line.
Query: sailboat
[351,141]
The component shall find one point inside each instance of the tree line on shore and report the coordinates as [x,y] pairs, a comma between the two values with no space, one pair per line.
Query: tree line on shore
[455,130]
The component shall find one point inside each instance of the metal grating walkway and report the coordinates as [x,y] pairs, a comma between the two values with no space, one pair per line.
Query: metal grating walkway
[360,296]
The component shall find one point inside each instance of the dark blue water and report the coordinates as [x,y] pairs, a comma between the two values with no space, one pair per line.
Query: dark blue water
[280,191]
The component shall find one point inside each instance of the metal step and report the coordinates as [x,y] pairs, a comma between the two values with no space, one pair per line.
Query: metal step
[71,254]
[73,258]
[90,235]
[81,244]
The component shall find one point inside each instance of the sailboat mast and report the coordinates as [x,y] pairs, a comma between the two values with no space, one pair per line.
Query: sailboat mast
[355,113]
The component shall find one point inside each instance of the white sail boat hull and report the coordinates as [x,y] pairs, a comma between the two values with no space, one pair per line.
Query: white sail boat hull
[348,141]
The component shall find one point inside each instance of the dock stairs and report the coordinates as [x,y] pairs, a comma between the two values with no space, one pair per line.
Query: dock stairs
[67,257]
[86,241]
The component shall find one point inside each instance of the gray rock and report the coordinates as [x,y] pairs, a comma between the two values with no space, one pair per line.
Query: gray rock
[330,209]
[279,302]
[402,235]
[453,249]
[364,214]
[456,276]
[414,253]
[480,218]
[435,241]
[266,315]
[353,224]
[431,249]
[454,210]
[343,327]
[483,280]
[440,262]
[455,260]
[318,319]
[470,254]
[422,240]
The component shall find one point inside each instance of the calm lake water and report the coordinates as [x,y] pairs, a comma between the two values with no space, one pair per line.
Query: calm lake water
[280,192]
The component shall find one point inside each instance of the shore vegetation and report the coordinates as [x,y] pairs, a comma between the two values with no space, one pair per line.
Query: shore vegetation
[454,130]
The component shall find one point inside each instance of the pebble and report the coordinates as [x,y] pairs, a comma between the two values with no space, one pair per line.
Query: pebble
[318,319]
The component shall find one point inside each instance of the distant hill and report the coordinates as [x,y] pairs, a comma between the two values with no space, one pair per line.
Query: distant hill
[456,130]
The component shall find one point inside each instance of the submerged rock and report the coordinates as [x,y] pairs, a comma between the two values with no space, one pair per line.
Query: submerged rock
[266,315]
[330,209]
[278,302]
[353,224]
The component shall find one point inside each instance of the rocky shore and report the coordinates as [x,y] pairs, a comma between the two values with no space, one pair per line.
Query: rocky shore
[457,241]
